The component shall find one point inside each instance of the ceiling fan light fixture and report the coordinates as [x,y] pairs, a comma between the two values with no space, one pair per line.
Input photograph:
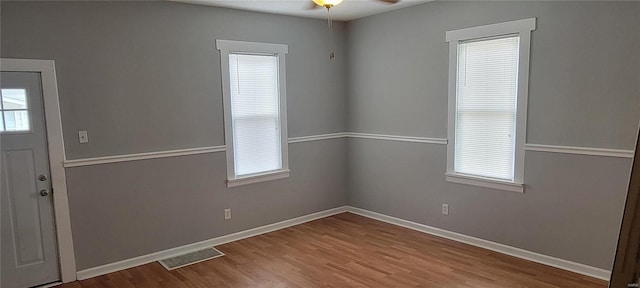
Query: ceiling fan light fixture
[327,3]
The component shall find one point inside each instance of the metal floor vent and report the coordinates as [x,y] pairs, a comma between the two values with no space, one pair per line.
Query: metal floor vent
[190,258]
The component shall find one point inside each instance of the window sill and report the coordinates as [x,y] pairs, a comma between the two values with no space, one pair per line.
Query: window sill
[256,178]
[485,182]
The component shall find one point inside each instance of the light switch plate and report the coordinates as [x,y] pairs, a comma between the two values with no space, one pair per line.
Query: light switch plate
[83,136]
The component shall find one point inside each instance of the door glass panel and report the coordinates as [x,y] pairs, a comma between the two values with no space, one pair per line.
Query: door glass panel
[16,120]
[15,113]
[14,99]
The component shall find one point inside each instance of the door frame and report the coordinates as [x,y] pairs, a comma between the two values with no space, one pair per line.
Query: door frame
[55,141]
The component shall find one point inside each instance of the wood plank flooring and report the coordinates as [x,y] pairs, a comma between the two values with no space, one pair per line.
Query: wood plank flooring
[348,250]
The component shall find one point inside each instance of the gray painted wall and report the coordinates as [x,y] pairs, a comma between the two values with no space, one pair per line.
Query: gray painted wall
[117,61]
[571,208]
[143,207]
[584,91]
[145,76]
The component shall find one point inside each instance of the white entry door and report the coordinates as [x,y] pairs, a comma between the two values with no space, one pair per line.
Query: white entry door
[28,242]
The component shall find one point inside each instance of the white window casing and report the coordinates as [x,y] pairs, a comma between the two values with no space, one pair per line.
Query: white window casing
[255,111]
[487,115]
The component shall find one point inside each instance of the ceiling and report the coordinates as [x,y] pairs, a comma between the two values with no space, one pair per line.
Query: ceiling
[347,10]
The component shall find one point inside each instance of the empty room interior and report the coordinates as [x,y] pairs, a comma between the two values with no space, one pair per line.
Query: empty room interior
[319,143]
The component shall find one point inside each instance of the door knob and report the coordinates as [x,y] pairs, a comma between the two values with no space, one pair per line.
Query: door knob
[42,177]
[44,192]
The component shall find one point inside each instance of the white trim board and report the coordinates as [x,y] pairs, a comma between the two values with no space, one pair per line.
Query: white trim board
[181,152]
[55,143]
[144,259]
[591,151]
[317,137]
[489,245]
[257,178]
[142,156]
[413,139]
[49,285]
[504,28]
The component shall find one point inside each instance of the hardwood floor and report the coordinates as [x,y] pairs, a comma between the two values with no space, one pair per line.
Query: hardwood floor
[347,250]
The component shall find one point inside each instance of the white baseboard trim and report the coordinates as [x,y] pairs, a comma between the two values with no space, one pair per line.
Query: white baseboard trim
[493,246]
[49,285]
[144,259]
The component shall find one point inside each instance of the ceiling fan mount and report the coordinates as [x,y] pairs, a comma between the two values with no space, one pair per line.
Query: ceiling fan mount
[332,3]
[326,3]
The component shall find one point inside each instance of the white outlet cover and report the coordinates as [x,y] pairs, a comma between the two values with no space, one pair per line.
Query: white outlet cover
[445,209]
[83,136]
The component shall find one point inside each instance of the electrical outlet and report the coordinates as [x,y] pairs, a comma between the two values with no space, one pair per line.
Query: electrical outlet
[445,209]
[83,137]
[227,214]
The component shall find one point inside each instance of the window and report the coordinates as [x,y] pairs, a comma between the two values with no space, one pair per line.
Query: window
[253,84]
[14,111]
[488,86]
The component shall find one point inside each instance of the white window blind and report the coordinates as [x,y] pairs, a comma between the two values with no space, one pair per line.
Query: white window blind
[255,113]
[487,83]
